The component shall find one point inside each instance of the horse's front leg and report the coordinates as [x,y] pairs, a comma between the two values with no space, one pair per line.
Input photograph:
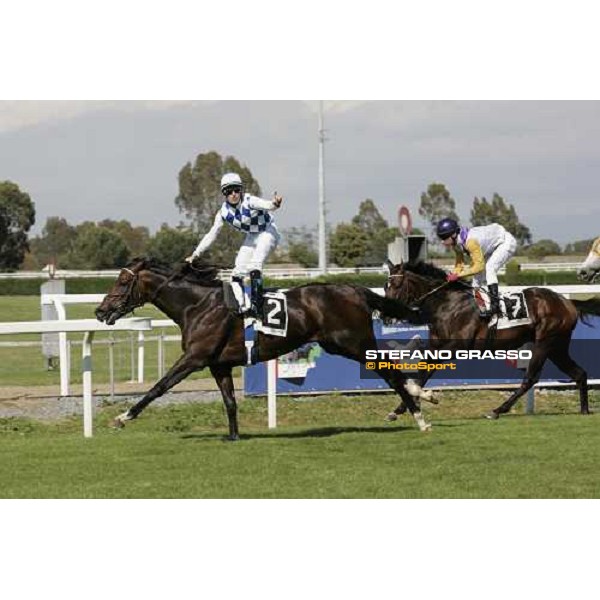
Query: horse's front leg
[184,366]
[222,375]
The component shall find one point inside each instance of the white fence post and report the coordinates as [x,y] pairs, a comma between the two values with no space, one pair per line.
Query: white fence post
[272,393]
[88,406]
[140,369]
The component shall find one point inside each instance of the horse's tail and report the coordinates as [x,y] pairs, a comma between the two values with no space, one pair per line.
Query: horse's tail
[587,307]
[389,307]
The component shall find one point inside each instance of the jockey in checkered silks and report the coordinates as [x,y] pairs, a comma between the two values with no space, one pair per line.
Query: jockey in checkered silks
[250,215]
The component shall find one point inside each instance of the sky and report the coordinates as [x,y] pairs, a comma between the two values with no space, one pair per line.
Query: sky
[91,160]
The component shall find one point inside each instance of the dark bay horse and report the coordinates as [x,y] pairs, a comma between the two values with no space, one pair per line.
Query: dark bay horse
[338,317]
[454,321]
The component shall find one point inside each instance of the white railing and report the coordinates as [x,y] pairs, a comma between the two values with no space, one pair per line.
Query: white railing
[88,327]
[60,301]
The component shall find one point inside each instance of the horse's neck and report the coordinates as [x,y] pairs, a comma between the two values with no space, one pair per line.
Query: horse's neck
[421,286]
[449,311]
[173,298]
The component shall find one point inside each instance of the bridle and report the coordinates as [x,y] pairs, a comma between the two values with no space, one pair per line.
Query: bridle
[419,300]
[129,303]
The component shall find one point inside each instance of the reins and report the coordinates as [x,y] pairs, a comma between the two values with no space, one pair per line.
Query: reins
[416,302]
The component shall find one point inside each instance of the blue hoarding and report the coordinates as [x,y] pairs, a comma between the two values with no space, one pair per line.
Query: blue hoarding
[312,370]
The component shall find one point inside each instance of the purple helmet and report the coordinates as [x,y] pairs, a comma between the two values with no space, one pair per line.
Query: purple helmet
[447,227]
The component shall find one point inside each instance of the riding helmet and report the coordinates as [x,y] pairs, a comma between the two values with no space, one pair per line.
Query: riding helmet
[447,227]
[231,180]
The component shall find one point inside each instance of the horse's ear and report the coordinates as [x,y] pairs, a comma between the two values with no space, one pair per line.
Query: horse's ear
[389,263]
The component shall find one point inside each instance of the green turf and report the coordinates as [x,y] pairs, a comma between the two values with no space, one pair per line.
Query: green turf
[327,447]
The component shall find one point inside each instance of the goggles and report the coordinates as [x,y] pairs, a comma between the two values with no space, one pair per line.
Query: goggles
[230,190]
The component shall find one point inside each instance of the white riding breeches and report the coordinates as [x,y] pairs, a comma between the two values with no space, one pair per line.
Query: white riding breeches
[497,259]
[255,250]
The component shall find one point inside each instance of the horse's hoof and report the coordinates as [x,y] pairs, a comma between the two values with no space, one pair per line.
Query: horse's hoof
[117,424]
[391,417]
[426,429]
[231,438]
[492,416]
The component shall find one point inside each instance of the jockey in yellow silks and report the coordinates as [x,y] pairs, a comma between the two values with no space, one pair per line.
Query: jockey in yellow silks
[489,247]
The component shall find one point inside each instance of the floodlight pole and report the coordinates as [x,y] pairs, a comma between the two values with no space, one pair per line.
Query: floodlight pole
[322,210]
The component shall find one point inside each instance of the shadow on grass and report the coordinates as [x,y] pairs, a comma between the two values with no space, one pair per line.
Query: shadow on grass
[321,432]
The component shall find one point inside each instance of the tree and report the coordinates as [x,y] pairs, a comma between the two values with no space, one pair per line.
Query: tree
[17,215]
[377,230]
[55,244]
[200,198]
[436,204]
[542,248]
[171,244]
[136,238]
[348,244]
[484,213]
[301,244]
[98,248]
[579,247]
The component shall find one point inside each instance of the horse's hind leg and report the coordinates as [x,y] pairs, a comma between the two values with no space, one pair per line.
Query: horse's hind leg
[222,375]
[415,389]
[354,347]
[562,359]
[532,375]
[398,383]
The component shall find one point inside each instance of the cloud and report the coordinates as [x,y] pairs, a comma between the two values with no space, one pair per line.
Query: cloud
[15,114]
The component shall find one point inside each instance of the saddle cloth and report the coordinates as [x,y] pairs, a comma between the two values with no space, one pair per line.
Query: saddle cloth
[274,319]
[513,306]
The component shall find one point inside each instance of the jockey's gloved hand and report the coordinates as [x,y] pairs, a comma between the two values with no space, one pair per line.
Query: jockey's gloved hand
[277,199]
[190,259]
[452,277]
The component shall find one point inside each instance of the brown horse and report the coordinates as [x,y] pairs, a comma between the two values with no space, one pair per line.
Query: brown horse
[338,317]
[454,321]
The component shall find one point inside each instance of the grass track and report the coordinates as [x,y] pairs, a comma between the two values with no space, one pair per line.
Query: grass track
[335,447]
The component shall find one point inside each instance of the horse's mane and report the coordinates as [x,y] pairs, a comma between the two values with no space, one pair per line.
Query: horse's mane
[425,269]
[198,272]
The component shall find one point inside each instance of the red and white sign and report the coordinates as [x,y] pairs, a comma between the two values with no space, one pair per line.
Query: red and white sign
[404,221]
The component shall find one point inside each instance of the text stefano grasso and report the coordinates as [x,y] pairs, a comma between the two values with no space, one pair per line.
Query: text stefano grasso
[520,354]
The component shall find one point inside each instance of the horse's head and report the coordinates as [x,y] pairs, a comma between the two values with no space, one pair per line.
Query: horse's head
[126,294]
[590,269]
[409,282]
[395,281]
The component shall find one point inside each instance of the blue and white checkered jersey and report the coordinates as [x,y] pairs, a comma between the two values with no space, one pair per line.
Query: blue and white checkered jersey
[250,216]
[246,216]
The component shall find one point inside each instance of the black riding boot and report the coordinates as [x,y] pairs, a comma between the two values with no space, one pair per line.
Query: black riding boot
[256,294]
[494,303]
